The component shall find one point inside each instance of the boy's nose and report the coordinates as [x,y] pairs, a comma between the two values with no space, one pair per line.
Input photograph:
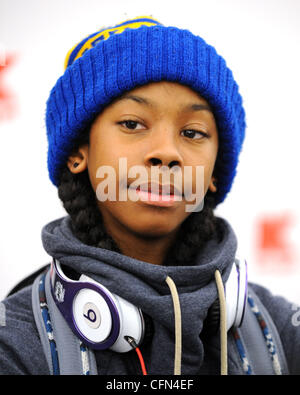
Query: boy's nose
[163,151]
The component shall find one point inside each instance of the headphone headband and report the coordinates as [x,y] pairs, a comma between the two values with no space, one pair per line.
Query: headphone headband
[103,320]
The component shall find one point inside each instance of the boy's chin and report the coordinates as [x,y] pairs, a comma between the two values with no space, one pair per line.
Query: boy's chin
[155,231]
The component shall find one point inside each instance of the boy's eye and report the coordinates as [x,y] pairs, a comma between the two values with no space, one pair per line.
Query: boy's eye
[129,124]
[193,134]
[190,133]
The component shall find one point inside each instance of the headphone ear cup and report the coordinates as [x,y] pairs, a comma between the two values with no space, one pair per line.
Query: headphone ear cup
[92,315]
[236,299]
[90,305]
[131,324]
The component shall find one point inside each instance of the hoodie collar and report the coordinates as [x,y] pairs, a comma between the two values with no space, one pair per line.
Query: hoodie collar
[144,285]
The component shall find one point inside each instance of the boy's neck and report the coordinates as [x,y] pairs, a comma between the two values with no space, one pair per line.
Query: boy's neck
[146,249]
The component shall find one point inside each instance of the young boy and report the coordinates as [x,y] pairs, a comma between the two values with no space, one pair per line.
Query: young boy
[141,100]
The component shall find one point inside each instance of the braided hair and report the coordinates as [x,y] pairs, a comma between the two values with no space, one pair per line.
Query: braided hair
[79,200]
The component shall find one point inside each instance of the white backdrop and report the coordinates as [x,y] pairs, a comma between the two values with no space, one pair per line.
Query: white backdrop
[260,42]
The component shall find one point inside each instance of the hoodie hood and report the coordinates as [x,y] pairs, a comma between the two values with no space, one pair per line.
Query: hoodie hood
[144,285]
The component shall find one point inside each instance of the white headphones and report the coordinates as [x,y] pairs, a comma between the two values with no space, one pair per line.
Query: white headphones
[103,320]
[236,290]
[98,317]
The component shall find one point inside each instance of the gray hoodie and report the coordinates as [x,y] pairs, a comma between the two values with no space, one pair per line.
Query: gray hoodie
[145,286]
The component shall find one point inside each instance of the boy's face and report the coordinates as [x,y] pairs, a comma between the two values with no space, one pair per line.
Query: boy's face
[159,124]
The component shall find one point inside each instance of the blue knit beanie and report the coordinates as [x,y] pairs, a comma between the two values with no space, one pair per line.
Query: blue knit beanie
[134,53]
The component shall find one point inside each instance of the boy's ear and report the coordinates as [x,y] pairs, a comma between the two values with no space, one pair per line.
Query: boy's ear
[78,160]
[213,184]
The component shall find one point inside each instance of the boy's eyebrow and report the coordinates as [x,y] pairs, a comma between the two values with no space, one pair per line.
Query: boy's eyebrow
[143,100]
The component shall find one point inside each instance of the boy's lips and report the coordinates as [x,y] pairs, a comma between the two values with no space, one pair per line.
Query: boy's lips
[159,189]
[158,195]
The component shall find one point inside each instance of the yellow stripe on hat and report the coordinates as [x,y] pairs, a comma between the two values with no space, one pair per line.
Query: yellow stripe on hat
[104,34]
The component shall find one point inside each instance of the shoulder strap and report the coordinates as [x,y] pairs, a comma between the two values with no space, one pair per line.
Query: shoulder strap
[65,353]
[258,341]
[41,316]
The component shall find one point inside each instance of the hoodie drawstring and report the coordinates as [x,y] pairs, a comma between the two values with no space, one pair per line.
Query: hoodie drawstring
[223,322]
[178,336]
[178,324]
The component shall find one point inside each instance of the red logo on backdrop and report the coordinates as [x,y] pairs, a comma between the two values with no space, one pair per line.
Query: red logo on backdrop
[8,102]
[273,245]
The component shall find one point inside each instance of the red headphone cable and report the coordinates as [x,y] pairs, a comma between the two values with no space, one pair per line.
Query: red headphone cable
[133,344]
